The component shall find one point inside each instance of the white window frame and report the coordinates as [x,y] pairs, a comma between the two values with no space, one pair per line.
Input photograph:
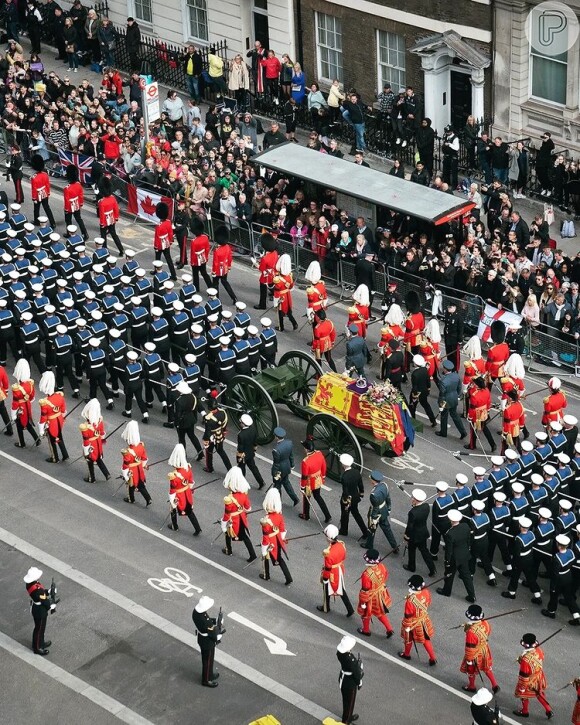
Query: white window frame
[187,36]
[566,63]
[319,61]
[132,12]
[380,80]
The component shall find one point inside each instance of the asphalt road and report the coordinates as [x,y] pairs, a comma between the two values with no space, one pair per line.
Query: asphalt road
[132,640]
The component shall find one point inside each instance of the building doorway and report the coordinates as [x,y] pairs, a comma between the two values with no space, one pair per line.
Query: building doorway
[460,87]
[260,22]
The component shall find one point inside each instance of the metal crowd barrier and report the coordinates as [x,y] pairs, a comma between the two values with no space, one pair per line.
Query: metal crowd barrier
[548,346]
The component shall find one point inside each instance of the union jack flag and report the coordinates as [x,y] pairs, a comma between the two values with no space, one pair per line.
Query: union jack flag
[83,163]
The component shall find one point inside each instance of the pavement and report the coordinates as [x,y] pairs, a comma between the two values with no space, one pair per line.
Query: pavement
[123,643]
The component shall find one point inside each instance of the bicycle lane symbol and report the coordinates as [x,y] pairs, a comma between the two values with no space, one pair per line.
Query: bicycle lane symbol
[175,581]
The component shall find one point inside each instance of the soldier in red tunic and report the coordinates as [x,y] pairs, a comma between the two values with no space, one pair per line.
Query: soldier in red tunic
[473,367]
[429,345]
[40,188]
[477,657]
[134,463]
[414,326]
[223,258]
[52,416]
[312,480]
[554,404]
[4,388]
[181,487]
[324,337]
[164,237]
[374,599]
[332,575]
[392,330]
[74,199]
[417,626]
[514,421]
[93,433]
[109,214]
[199,252]
[478,407]
[22,397]
[273,536]
[234,522]
[358,313]
[316,294]
[497,354]
[267,267]
[531,678]
[283,284]
[576,713]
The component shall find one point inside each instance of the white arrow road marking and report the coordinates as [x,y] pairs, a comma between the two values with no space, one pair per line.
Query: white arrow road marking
[276,645]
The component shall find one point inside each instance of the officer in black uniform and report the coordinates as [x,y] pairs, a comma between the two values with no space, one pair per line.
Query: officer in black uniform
[41,604]
[214,435]
[457,555]
[453,333]
[186,407]
[353,491]
[393,368]
[133,385]
[209,633]
[481,712]
[350,678]
[420,389]
[417,533]
[246,452]
[283,463]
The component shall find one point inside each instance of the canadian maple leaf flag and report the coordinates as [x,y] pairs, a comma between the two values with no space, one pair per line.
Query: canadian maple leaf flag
[142,203]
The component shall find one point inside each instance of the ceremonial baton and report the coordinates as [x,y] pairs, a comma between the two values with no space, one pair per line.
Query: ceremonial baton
[552,635]
[565,686]
[253,511]
[495,616]
[540,390]
[304,536]
[121,485]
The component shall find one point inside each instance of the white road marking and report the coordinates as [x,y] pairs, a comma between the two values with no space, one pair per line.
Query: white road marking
[177,581]
[164,625]
[276,645]
[234,575]
[116,708]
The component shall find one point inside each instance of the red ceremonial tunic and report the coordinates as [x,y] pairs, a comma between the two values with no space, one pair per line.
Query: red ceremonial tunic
[180,485]
[135,460]
[508,384]
[223,258]
[496,358]
[374,594]
[199,250]
[316,296]
[283,284]
[531,677]
[473,369]
[313,471]
[163,236]
[358,315]
[430,351]
[554,405]
[388,333]
[40,186]
[74,197]
[324,336]
[22,397]
[93,436]
[416,618]
[4,383]
[576,713]
[267,267]
[108,211]
[476,648]
[273,526]
[414,326]
[236,506]
[514,418]
[333,567]
[52,412]
[320,241]
[478,406]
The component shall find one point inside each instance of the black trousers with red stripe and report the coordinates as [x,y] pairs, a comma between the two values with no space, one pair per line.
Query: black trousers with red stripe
[348,691]
[207,655]
[40,615]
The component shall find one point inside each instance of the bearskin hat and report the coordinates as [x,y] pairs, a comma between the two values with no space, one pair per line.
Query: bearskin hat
[222,235]
[413,302]
[37,162]
[105,186]
[268,242]
[162,211]
[72,173]
[196,225]
[498,331]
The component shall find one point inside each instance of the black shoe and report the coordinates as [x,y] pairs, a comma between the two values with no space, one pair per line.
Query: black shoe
[390,633]
[550,714]
[441,435]
[199,456]
[433,424]
[51,460]
[434,557]
[466,688]
[536,600]
[353,717]
[496,689]
[9,431]
[168,425]
[519,713]
[208,470]
[75,394]
[470,599]
[125,414]
[320,608]
[259,307]
[364,634]
[547,613]
[88,479]
[442,591]
[364,545]
[148,503]
[350,613]
[364,537]
[110,406]
[491,582]
[433,572]
[574,622]
[226,552]
[172,527]
[47,644]
[210,683]
[288,582]
[42,652]
[126,499]
[468,447]
[328,519]
[403,656]
[395,551]
[197,532]
[432,663]
[251,559]
[145,420]
[264,577]
[462,436]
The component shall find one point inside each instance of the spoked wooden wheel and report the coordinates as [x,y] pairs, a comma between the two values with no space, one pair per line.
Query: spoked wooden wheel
[308,371]
[246,395]
[333,437]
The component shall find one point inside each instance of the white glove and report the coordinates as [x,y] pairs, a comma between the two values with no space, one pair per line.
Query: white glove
[7,164]
[464,388]
[14,414]
[41,429]
[310,314]
[469,662]
[283,535]
[203,413]
[276,301]
[172,500]
[363,606]
[224,525]
[86,450]
[503,404]
[407,629]
[126,473]
[53,608]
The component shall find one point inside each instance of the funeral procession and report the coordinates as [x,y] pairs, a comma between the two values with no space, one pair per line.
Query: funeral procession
[289,379]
